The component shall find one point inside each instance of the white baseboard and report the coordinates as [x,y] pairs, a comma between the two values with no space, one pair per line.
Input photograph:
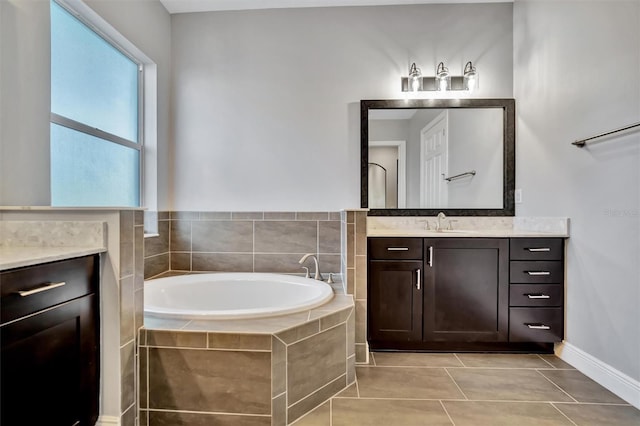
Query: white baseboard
[617,382]
[108,421]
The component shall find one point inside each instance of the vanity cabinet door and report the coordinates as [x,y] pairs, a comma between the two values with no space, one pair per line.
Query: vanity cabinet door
[466,282]
[395,301]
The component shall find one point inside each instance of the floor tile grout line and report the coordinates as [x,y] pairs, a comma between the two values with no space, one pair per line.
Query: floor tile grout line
[459,360]
[553,366]
[556,385]
[456,383]
[479,400]
[447,413]
[464,368]
[330,411]
[561,412]
[357,386]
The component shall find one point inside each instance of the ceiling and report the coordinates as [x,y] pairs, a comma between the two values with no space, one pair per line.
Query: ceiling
[187,6]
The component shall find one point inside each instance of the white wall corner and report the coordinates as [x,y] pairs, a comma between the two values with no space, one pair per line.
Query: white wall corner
[616,381]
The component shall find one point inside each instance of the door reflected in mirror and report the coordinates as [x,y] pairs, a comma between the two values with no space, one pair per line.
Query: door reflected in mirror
[436,158]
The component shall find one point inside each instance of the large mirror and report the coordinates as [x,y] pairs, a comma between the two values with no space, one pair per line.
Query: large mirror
[424,156]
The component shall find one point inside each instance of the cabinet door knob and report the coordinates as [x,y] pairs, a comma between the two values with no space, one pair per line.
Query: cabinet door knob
[418,279]
[50,286]
[538,273]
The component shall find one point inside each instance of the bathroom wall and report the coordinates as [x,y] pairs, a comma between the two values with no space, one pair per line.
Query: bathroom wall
[25,87]
[244,242]
[266,103]
[576,68]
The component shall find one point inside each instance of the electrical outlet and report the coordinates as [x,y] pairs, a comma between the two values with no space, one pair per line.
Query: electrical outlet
[518,196]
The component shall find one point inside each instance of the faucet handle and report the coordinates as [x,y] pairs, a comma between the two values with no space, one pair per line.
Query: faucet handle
[330,280]
[307,274]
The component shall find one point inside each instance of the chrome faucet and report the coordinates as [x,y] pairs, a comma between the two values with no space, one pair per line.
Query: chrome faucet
[441,218]
[318,275]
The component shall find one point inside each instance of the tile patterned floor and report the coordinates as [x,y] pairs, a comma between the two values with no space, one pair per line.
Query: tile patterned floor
[406,389]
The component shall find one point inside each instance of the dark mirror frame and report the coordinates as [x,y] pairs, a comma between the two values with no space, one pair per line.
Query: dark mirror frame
[509,161]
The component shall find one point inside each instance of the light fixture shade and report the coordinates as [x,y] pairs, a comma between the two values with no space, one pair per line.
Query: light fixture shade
[415,78]
[470,77]
[443,78]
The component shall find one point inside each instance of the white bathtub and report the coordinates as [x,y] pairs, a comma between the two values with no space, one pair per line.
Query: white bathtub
[232,295]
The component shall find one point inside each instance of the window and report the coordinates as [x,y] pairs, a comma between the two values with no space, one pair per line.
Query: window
[96,118]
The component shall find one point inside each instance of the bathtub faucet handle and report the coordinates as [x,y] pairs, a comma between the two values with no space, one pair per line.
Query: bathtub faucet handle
[306,275]
[318,275]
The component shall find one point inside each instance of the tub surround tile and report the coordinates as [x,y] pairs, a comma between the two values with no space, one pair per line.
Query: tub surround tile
[351,369]
[312,215]
[180,261]
[164,215]
[286,237]
[334,319]
[143,418]
[351,335]
[128,375]
[127,310]
[177,339]
[305,405]
[351,391]
[222,262]
[300,332]
[279,410]
[138,306]
[280,263]
[142,378]
[156,265]
[329,237]
[278,366]
[126,226]
[238,341]
[158,244]
[361,278]
[126,259]
[180,235]
[314,362]
[320,416]
[361,353]
[222,236]
[128,418]
[203,380]
[215,215]
[335,216]
[361,321]
[172,418]
[247,215]
[328,263]
[279,215]
[184,215]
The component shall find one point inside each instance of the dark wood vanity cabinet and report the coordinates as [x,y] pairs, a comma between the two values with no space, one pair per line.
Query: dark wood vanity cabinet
[49,338]
[395,289]
[466,290]
[465,293]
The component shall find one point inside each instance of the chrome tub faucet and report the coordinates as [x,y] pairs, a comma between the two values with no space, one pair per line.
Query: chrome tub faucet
[317,275]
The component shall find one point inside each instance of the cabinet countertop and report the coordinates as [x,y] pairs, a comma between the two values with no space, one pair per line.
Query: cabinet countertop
[462,233]
[16,257]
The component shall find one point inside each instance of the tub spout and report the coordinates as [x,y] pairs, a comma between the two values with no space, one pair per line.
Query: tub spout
[318,275]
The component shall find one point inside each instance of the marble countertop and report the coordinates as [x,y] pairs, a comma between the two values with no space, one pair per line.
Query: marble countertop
[461,233]
[16,257]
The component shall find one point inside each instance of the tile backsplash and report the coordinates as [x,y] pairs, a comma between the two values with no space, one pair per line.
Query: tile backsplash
[243,242]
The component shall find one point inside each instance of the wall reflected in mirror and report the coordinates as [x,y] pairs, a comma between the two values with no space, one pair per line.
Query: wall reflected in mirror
[436,158]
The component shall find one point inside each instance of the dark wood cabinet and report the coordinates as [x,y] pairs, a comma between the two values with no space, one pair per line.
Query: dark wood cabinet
[466,290]
[465,294]
[49,364]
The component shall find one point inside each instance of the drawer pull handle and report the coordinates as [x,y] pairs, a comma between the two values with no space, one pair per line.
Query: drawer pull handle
[418,280]
[47,287]
[397,248]
[538,327]
[538,273]
[538,249]
[430,257]
[538,296]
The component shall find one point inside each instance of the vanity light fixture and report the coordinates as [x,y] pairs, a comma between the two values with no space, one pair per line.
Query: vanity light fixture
[470,77]
[415,78]
[443,80]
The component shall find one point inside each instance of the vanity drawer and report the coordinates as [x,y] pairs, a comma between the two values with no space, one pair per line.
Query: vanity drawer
[395,248]
[536,249]
[28,290]
[536,324]
[536,272]
[536,295]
